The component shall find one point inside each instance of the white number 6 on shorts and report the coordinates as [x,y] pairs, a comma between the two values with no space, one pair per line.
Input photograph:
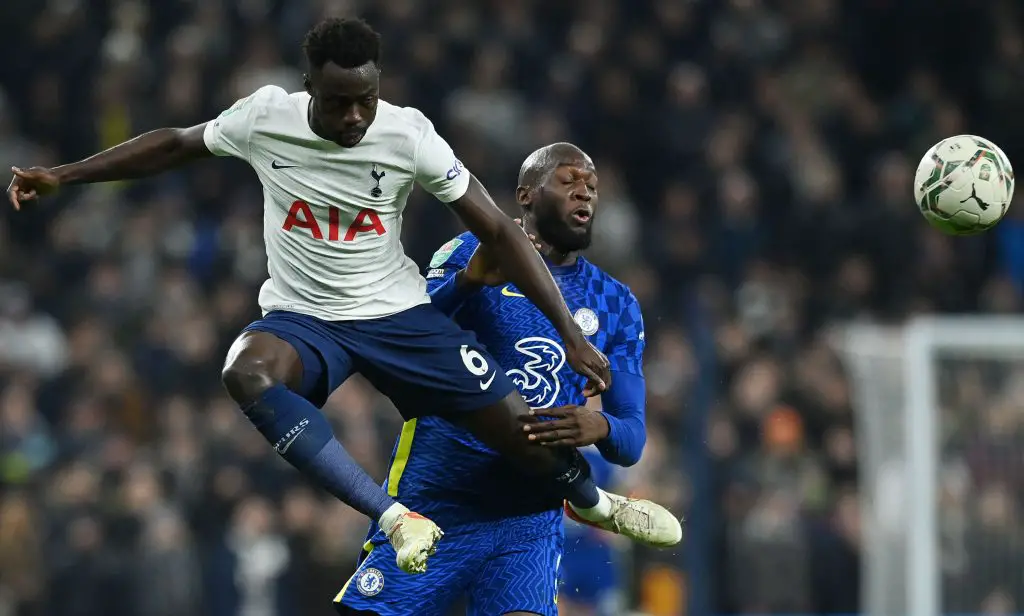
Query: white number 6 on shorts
[474,361]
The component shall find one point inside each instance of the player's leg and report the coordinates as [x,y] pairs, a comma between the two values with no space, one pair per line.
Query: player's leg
[499,425]
[272,371]
[263,374]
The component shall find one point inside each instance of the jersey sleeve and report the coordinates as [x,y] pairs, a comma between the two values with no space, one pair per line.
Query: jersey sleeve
[444,265]
[625,409]
[625,403]
[438,171]
[627,350]
[229,134]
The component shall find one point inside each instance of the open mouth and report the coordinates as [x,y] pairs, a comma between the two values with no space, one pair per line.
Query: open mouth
[582,215]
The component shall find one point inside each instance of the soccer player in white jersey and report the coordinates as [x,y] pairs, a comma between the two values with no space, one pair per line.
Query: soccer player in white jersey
[337,164]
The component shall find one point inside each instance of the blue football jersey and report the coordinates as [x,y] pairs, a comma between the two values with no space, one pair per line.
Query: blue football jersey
[442,471]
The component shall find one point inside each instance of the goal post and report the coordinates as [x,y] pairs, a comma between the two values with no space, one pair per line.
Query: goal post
[895,388]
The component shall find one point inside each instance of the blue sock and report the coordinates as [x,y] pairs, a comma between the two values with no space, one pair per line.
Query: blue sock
[578,485]
[302,435]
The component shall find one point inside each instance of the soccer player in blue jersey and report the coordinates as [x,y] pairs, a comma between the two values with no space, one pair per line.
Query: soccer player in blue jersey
[504,531]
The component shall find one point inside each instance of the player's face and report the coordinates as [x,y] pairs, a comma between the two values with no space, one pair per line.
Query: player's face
[344,101]
[565,206]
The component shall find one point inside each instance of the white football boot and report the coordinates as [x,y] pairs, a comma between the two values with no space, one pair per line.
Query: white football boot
[641,520]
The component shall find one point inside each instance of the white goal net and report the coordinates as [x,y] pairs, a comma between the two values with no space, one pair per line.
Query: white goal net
[940,412]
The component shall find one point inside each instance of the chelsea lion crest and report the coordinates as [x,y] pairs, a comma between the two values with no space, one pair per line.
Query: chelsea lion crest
[587,320]
[370,582]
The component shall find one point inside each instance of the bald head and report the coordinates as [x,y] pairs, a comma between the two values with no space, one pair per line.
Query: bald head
[539,165]
[558,193]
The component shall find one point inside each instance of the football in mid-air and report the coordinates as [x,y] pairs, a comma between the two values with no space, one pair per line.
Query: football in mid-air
[964,185]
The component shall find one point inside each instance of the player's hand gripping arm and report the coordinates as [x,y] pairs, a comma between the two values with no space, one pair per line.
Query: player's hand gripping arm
[566,426]
[518,259]
[145,155]
[619,430]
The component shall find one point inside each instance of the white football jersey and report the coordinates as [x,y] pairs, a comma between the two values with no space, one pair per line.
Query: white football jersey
[332,216]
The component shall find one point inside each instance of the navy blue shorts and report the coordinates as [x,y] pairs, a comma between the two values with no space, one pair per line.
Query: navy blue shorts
[420,359]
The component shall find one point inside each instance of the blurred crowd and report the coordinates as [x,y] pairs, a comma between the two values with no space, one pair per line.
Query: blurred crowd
[756,159]
[981,485]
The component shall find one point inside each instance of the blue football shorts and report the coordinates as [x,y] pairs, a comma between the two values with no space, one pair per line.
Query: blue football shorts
[498,567]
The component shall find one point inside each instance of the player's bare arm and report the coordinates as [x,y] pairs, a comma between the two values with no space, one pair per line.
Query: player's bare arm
[518,259]
[483,269]
[145,155]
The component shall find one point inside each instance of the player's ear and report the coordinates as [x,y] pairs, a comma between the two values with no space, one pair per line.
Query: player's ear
[524,197]
[307,84]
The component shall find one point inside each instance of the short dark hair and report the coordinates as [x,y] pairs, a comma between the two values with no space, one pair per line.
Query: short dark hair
[346,42]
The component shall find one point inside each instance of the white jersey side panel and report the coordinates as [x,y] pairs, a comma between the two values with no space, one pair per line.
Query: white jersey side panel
[332,218]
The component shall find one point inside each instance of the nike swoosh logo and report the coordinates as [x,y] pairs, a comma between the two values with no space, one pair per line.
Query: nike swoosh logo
[284,448]
[485,384]
[507,292]
[275,165]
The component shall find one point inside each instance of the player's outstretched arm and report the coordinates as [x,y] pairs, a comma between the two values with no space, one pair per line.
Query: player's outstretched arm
[145,155]
[518,259]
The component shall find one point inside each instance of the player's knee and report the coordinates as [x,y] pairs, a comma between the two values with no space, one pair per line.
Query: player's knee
[246,378]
